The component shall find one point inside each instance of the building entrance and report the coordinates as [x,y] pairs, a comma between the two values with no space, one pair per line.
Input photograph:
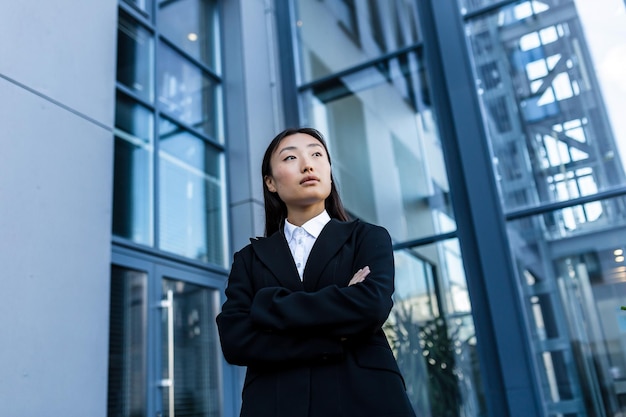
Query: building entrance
[164,355]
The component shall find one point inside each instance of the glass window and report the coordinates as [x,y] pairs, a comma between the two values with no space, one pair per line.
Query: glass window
[574,285]
[188,94]
[384,142]
[553,94]
[191,196]
[432,334]
[133,179]
[127,343]
[358,30]
[135,58]
[145,6]
[190,351]
[189,193]
[192,26]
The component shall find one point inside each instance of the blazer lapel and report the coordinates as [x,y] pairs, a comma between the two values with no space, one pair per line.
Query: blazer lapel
[274,253]
[328,243]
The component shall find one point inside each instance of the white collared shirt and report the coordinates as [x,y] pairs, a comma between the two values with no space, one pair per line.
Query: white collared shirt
[301,239]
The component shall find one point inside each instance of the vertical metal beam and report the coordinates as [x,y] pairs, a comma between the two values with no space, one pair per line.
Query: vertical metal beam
[505,357]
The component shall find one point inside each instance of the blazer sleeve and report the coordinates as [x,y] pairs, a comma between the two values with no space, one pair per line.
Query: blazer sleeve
[245,344]
[335,311]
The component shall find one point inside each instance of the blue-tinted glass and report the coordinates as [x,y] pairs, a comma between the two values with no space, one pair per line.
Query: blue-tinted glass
[389,26]
[191,350]
[431,332]
[133,178]
[145,6]
[192,25]
[135,62]
[550,78]
[383,139]
[572,274]
[188,94]
[127,343]
[191,196]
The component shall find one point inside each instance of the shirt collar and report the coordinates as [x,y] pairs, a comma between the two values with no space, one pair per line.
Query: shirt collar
[313,227]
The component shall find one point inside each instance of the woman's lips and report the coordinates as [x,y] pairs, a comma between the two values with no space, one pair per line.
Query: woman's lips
[309,179]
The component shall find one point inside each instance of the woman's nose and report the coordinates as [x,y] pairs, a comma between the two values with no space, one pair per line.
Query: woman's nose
[307,166]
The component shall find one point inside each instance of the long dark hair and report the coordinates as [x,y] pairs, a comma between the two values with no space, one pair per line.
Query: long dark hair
[275,208]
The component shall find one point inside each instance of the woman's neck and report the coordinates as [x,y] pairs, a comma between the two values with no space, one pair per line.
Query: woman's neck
[300,215]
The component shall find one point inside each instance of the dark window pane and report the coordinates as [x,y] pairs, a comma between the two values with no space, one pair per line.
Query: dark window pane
[127,343]
[133,172]
[135,63]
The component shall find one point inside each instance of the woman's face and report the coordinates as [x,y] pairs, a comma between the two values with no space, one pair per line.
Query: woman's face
[300,172]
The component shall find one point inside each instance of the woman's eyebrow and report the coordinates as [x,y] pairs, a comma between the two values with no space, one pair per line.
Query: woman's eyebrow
[291,148]
[287,148]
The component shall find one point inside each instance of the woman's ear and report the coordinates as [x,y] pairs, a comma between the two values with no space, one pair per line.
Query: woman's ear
[269,183]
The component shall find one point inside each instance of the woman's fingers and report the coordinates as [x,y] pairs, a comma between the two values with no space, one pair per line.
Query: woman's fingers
[359,275]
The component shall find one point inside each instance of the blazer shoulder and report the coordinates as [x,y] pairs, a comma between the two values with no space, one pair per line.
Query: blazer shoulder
[363,227]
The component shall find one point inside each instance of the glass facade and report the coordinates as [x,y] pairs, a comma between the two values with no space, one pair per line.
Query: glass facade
[169,185]
[372,97]
[551,88]
[170,227]
[359,30]
[548,78]
[432,333]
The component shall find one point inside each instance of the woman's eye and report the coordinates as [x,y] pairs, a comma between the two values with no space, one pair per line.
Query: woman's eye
[289,158]
[317,154]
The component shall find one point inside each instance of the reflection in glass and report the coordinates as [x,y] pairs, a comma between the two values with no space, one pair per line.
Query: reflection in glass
[552,101]
[132,177]
[188,94]
[384,142]
[433,336]
[192,26]
[390,25]
[191,196]
[135,52]
[574,286]
[144,5]
[193,346]
[127,343]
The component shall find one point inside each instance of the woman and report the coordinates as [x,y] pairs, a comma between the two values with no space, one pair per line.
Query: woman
[305,304]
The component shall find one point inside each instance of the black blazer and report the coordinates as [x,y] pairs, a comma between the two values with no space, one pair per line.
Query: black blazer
[314,348]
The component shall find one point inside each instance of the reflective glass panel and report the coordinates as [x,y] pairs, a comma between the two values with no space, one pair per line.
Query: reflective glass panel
[135,58]
[133,167]
[550,76]
[127,343]
[385,148]
[145,6]
[357,30]
[432,334]
[192,218]
[574,285]
[192,25]
[190,351]
[188,94]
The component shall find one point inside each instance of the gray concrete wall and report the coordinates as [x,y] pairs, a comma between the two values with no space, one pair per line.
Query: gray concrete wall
[57,75]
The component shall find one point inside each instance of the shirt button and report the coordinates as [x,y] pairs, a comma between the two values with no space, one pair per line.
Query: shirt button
[300,242]
[299,264]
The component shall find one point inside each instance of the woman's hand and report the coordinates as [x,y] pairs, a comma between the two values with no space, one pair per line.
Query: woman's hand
[359,276]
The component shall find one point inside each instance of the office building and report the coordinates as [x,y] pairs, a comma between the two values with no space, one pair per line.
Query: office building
[486,136]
